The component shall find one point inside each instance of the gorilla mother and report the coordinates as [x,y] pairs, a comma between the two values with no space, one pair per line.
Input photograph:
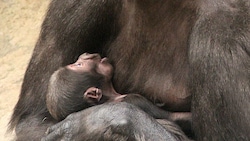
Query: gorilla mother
[184,55]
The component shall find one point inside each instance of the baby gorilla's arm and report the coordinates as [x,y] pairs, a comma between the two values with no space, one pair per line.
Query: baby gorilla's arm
[183,119]
[146,106]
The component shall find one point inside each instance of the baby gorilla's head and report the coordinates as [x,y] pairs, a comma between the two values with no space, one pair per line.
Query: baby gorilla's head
[66,91]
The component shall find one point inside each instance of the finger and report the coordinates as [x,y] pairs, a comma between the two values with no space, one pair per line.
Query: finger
[54,127]
[52,136]
[53,132]
[57,132]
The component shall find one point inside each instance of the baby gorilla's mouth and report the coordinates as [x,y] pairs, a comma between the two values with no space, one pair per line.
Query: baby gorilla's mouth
[104,60]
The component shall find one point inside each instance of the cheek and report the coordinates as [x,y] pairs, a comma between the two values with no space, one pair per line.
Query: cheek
[106,70]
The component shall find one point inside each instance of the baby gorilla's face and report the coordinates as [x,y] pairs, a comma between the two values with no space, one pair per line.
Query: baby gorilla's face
[92,63]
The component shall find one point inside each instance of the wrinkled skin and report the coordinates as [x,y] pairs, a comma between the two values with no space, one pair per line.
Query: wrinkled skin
[185,56]
[106,125]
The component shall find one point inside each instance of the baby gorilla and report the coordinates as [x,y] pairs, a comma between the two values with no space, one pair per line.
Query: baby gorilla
[86,83]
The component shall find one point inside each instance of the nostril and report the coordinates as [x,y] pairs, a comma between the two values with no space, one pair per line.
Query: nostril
[83,56]
[96,55]
[86,56]
[93,56]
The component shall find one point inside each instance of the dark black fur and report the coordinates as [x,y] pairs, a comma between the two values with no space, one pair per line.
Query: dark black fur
[66,89]
[165,50]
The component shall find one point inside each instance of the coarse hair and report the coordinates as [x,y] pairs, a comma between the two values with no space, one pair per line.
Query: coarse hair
[66,89]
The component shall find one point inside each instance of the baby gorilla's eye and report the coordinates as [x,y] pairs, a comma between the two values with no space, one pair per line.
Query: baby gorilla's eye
[78,64]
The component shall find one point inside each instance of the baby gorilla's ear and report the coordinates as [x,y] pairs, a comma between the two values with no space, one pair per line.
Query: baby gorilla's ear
[93,95]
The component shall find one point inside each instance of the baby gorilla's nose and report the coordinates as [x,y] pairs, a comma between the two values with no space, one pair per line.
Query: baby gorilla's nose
[86,56]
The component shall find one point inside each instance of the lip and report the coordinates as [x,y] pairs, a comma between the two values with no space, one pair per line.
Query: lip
[104,60]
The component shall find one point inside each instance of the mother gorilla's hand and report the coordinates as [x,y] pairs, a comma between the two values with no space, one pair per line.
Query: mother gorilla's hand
[112,121]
